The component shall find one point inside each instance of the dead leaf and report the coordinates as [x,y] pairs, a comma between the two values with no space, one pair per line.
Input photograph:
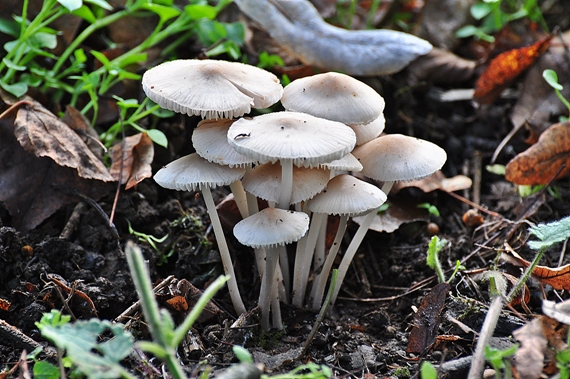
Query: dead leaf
[442,18]
[558,311]
[81,125]
[43,134]
[436,181]
[540,163]
[558,278]
[396,215]
[427,319]
[31,187]
[538,102]
[136,161]
[505,68]
[441,67]
[529,358]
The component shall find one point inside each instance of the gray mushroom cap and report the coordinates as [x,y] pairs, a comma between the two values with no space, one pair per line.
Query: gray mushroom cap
[395,157]
[347,195]
[211,89]
[193,172]
[271,227]
[334,96]
[302,138]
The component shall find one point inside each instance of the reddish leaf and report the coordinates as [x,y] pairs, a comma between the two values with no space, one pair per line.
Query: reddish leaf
[505,68]
[540,163]
[558,278]
[138,155]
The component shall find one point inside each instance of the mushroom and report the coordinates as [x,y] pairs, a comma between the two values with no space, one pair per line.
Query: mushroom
[346,196]
[367,132]
[334,96]
[271,228]
[211,89]
[293,139]
[192,172]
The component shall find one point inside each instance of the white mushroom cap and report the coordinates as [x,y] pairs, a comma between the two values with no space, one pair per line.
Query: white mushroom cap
[346,163]
[396,157]
[346,195]
[334,96]
[211,143]
[211,89]
[192,171]
[367,132]
[265,182]
[302,138]
[271,227]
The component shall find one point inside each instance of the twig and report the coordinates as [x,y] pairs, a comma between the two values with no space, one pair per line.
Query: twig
[11,334]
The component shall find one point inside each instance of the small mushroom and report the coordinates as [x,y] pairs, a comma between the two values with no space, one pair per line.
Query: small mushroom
[192,172]
[211,89]
[271,228]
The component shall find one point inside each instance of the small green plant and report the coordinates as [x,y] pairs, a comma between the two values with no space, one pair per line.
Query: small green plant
[493,15]
[427,371]
[563,363]
[432,209]
[152,241]
[402,372]
[500,360]
[434,247]
[552,79]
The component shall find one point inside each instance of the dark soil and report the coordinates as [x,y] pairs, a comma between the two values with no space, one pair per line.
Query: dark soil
[367,332]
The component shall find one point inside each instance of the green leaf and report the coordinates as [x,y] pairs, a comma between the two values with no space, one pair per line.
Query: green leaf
[242,354]
[158,137]
[197,12]
[480,10]
[466,31]
[93,359]
[102,58]
[85,13]
[71,5]
[80,56]
[42,39]
[45,370]
[427,371]
[9,27]
[16,89]
[497,169]
[552,79]
[12,65]
[135,58]
[100,3]
[165,13]
[235,31]
[550,233]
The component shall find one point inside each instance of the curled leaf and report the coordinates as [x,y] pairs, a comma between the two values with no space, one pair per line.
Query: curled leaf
[136,160]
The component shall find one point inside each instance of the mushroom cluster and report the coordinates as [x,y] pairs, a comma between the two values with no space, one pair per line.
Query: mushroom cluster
[298,160]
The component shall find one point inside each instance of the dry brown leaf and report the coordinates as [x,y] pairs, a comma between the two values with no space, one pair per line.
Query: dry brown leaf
[529,358]
[31,187]
[441,67]
[442,18]
[427,319]
[538,102]
[540,163]
[505,68]
[81,125]
[396,215]
[41,133]
[436,181]
[136,161]
[558,278]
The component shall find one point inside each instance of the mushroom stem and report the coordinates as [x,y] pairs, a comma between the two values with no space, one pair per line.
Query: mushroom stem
[303,260]
[240,198]
[351,251]
[387,187]
[286,183]
[320,247]
[224,251]
[320,281]
[266,291]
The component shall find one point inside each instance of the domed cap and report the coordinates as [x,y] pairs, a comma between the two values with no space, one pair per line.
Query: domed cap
[334,96]
[367,132]
[192,171]
[346,163]
[211,89]
[346,195]
[302,138]
[396,157]
[271,227]
[211,143]
[265,182]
